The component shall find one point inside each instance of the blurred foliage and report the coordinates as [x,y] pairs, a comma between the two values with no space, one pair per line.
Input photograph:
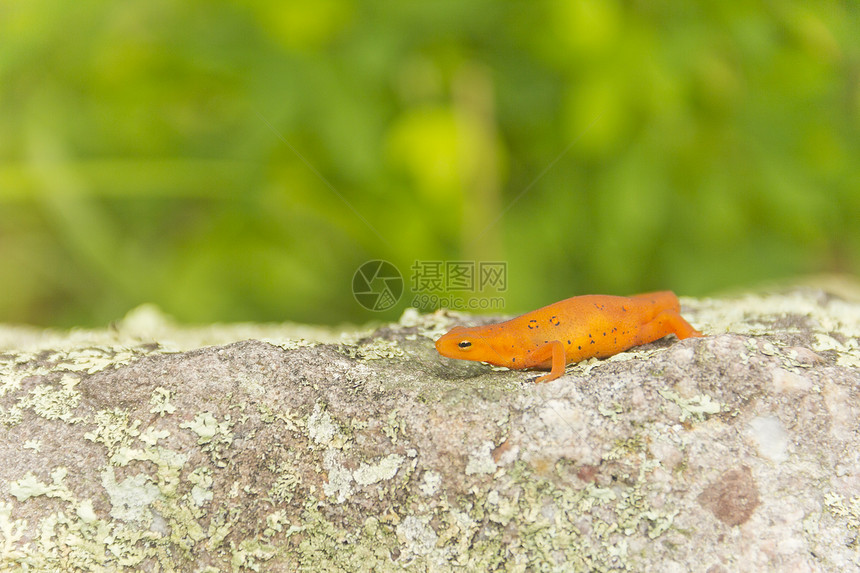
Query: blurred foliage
[239,160]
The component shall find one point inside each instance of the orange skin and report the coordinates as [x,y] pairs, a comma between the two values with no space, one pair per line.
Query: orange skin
[569,331]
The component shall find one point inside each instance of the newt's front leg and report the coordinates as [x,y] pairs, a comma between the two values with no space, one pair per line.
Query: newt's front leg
[553,350]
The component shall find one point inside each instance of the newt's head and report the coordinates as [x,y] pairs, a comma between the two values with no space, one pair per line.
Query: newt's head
[467,344]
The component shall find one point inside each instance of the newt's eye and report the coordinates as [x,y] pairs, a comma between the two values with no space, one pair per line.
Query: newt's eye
[464,344]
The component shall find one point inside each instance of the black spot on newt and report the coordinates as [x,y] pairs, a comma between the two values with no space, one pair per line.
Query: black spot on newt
[533,324]
[554,321]
[579,347]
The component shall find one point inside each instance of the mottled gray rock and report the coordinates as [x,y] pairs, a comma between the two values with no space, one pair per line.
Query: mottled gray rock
[310,449]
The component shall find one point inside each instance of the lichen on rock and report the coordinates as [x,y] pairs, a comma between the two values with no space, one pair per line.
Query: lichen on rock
[298,449]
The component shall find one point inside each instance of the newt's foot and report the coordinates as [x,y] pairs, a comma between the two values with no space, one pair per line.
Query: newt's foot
[691,333]
[546,378]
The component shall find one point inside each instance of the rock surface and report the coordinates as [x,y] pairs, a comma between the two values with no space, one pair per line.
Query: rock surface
[292,448]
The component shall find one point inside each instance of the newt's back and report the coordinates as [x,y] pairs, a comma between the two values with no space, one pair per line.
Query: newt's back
[594,325]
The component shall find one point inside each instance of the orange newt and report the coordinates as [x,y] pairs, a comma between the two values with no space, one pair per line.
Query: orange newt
[569,331]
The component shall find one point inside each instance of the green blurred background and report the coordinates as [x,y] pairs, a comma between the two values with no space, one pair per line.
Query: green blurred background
[239,160]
